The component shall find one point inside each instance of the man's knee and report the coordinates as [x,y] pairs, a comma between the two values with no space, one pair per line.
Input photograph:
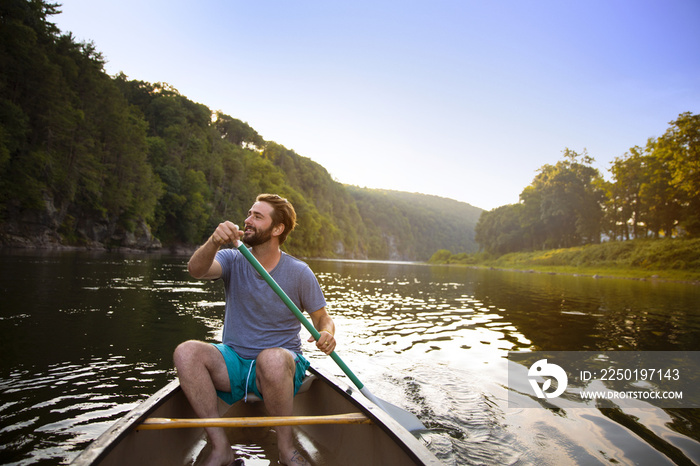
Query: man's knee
[186,353]
[275,362]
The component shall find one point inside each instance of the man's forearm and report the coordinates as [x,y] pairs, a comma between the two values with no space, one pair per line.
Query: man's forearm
[202,259]
[323,322]
[201,262]
[326,328]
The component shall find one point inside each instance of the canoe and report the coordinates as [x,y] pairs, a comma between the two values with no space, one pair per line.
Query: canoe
[382,441]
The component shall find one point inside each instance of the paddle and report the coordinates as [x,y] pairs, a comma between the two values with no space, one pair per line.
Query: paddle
[157,423]
[406,419]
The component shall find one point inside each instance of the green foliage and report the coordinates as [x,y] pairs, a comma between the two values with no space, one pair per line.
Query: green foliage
[567,198]
[645,254]
[678,153]
[672,258]
[69,137]
[644,199]
[238,132]
[503,229]
[561,208]
[655,191]
[402,225]
[442,256]
[88,149]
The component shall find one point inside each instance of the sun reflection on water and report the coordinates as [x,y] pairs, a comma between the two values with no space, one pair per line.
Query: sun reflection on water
[432,340]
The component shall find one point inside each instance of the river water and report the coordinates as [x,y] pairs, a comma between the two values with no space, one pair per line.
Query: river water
[84,337]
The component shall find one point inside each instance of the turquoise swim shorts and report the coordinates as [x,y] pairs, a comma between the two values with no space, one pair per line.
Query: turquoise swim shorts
[241,374]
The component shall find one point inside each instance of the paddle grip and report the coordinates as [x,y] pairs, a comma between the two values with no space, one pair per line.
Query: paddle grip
[295,310]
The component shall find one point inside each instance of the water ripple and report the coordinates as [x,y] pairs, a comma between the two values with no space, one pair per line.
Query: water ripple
[87,398]
[431,340]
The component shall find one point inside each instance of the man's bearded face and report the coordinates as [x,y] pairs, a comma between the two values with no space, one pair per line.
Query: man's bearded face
[253,237]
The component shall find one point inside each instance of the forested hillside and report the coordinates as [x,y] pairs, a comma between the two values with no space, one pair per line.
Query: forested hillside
[92,160]
[412,225]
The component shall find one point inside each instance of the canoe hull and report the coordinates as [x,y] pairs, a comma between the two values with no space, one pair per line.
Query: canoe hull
[384,442]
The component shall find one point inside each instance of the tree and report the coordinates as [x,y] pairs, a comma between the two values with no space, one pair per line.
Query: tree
[91,157]
[238,132]
[69,140]
[624,201]
[501,230]
[28,100]
[660,200]
[569,199]
[679,148]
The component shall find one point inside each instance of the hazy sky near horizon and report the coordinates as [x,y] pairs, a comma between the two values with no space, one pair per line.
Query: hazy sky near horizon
[460,99]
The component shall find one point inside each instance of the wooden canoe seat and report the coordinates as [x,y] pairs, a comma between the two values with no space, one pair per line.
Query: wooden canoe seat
[308,380]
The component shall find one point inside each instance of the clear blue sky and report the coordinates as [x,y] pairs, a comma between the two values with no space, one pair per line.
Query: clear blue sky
[463,99]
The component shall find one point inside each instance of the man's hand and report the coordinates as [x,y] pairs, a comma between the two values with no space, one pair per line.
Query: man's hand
[326,342]
[202,264]
[226,232]
[325,326]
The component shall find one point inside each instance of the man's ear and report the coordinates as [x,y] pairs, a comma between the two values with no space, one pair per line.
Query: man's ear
[278,230]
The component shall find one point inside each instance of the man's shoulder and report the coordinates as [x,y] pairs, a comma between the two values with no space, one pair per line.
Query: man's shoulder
[293,262]
[226,255]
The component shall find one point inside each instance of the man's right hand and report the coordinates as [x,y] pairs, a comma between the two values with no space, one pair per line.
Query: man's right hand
[202,264]
[226,232]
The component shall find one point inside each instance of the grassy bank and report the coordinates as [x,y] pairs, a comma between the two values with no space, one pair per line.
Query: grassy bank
[671,259]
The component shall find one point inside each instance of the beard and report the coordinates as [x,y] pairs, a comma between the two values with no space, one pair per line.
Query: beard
[254,237]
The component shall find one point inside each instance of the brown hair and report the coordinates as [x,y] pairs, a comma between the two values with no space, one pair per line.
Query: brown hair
[282,212]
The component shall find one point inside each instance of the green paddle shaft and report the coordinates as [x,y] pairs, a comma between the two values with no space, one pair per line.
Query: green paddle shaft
[293,307]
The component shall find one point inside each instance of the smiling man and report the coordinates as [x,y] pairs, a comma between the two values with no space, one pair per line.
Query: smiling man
[261,348]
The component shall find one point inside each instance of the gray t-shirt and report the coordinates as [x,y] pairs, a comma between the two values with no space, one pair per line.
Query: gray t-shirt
[256,318]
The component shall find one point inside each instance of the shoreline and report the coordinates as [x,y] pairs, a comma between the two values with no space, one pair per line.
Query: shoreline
[643,259]
[596,275]
[186,250]
[55,247]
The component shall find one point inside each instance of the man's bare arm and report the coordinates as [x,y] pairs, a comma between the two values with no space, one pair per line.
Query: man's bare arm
[324,324]
[202,263]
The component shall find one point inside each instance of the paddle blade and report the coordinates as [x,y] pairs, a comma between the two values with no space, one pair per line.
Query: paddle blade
[408,420]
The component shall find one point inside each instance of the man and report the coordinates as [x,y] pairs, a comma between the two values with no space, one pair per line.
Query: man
[261,349]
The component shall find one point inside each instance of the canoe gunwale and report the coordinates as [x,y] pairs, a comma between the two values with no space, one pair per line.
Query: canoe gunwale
[100,448]
[109,439]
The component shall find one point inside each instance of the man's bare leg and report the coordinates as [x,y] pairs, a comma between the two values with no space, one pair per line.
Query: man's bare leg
[275,379]
[202,370]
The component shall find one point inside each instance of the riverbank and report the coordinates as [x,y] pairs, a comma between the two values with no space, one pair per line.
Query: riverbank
[648,259]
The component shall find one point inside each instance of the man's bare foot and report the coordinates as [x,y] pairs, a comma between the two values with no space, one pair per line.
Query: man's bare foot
[295,459]
[221,458]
